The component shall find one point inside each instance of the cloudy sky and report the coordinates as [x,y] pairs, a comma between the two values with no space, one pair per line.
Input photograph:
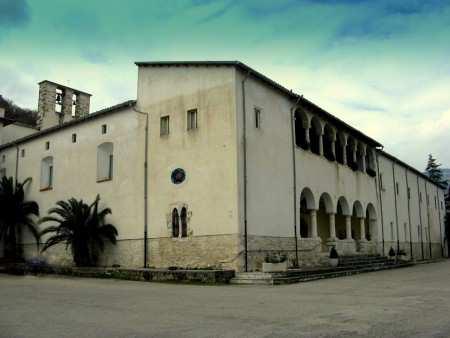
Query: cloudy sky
[382,66]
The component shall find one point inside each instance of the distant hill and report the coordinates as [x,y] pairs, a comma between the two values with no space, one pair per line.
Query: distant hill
[16,113]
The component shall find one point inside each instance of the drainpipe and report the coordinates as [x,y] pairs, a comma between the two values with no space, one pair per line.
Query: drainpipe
[145,187]
[395,203]
[440,225]
[294,177]
[408,192]
[428,220]
[244,147]
[17,162]
[381,203]
[420,217]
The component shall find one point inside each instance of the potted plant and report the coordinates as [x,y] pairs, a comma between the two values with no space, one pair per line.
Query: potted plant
[334,257]
[275,263]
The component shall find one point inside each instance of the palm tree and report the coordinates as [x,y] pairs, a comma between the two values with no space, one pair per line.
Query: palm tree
[80,226]
[15,215]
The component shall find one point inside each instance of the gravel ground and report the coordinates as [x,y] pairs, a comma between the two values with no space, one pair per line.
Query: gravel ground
[409,302]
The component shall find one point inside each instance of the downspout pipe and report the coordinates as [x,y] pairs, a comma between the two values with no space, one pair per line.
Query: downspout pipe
[420,217]
[146,114]
[244,148]
[381,203]
[395,204]
[428,220]
[408,196]
[294,177]
[440,220]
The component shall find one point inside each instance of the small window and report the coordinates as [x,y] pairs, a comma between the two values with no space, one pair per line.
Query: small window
[183,218]
[22,152]
[175,223]
[257,118]
[192,119]
[74,138]
[105,162]
[47,145]
[2,172]
[164,126]
[104,128]
[47,173]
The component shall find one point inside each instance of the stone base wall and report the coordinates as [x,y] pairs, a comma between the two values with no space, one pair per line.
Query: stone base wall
[436,250]
[227,252]
[221,251]
[310,251]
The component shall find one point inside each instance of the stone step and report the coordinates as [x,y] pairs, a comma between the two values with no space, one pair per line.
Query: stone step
[305,276]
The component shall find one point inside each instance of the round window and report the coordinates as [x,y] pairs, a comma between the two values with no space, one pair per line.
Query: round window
[178,176]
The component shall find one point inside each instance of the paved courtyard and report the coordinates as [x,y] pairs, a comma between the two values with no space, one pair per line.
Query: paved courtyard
[410,302]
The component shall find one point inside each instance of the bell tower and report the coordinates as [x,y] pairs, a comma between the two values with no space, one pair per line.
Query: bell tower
[58,104]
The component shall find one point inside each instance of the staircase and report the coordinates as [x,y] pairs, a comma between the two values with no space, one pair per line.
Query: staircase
[348,265]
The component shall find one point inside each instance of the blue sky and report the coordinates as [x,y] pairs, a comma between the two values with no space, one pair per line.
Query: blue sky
[382,66]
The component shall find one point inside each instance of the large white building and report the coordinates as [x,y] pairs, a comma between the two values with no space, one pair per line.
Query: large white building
[215,164]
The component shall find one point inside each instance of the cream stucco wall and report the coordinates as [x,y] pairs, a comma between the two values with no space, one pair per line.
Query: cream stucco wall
[75,169]
[207,154]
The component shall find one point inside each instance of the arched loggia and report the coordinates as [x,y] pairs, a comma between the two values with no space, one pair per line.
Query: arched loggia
[308,221]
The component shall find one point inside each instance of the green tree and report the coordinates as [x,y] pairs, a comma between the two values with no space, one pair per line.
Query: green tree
[81,227]
[433,170]
[16,214]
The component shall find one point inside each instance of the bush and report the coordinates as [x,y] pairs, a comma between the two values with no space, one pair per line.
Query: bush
[275,258]
[391,252]
[333,253]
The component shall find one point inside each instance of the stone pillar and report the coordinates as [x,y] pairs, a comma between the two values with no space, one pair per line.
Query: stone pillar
[332,226]
[344,149]
[363,154]
[313,215]
[333,145]
[321,143]
[363,229]
[348,227]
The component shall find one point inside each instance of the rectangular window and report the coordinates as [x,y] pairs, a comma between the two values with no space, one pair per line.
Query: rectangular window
[257,118]
[74,138]
[47,145]
[192,119]
[22,152]
[164,126]
[104,128]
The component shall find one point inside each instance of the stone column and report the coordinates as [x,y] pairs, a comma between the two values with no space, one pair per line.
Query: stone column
[363,154]
[348,227]
[313,215]
[363,229]
[344,148]
[332,226]
[321,143]
[333,145]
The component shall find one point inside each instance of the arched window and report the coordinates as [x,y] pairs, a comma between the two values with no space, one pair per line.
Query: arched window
[105,160]
[183,217]
[315,134]
[175,223]
[47,173]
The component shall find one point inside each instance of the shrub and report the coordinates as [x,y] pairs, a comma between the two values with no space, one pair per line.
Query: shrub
[333,253]
[391,252]
[275,258]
